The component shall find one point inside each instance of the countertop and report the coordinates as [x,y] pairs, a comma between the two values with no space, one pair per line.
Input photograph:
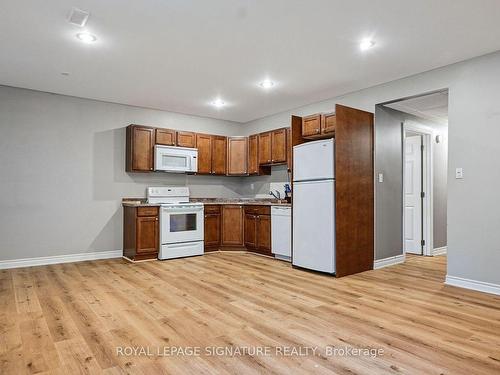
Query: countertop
[141,202]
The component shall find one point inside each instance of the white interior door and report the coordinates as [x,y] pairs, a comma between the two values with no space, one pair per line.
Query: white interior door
[413,199]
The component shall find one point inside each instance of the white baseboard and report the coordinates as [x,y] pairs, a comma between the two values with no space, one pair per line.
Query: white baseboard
[41,261]
[439,251]
[386,262]
[480,286]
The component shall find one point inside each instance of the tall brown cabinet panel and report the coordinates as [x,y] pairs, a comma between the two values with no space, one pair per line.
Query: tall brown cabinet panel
[354,214]
[140,142]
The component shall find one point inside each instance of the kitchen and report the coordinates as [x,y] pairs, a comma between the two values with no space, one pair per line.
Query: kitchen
[249,187]
[325,235]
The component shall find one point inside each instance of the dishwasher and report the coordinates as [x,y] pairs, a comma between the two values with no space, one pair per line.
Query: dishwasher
[281,232]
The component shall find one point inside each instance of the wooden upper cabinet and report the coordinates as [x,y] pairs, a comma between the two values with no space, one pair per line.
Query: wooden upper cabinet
[265,148]
[232,225]
[186,139]
[204,146]
[165,137]
[219,155]
[328,122]
[253,154]
[140,144]
[289,148]
[311,125]
[278,146]
[237,151]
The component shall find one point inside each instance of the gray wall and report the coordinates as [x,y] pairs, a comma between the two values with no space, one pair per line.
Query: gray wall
[474,117]
[62,171]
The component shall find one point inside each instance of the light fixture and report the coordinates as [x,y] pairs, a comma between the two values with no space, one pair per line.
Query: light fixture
[86,37]
[266,84]
[366,44]
[218,103]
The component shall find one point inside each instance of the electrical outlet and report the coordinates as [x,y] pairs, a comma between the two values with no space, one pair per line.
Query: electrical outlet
[459,173]
[380,177]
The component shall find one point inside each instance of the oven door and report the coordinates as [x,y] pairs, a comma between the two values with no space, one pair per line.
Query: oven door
[181,223]
[175,159]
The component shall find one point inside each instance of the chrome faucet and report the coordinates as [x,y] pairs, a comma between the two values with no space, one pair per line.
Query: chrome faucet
[277,195]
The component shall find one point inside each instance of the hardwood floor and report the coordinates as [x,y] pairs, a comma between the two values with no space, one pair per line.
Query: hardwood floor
[85,317]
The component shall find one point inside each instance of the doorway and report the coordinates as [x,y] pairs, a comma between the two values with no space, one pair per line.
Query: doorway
[411,176]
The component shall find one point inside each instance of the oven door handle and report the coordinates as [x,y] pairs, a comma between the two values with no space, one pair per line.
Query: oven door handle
[193,210]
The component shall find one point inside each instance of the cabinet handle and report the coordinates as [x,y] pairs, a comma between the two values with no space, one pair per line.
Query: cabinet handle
[156,219]
[317,130]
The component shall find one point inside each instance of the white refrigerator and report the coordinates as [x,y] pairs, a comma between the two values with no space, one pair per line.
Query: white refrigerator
[313,240]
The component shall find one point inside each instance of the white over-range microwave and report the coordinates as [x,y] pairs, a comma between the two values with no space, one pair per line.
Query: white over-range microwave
[176,159]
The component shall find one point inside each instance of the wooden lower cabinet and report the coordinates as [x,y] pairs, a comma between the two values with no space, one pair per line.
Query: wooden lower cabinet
[250,231]
[232,226]
[212,228]
[141,233]
[258,229]
[264,234]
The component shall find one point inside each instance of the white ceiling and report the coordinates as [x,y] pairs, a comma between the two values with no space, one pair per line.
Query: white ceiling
[433,107]
[179,55]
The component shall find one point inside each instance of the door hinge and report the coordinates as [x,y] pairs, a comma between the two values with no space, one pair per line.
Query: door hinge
[422,194]
[422,242]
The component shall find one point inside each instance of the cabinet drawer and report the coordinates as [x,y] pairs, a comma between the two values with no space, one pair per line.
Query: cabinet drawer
[258,210]
[212,209]
[147,211]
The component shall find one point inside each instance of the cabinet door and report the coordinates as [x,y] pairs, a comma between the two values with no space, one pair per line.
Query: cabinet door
[328,122]
[147,234]
[264,234]
[265,148]
[237,150]
[253,156]
[250,231]
[232,226]
[278,146]
[186,139]
[212,230]
[219,155]
[311,125]
[140,147]
[289,148]
[165,137]
[204,145]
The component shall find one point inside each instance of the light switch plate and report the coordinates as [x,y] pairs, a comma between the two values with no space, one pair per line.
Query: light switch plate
[380,177]
[459,173]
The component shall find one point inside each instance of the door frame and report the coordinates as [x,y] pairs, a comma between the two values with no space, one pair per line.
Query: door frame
[427,182]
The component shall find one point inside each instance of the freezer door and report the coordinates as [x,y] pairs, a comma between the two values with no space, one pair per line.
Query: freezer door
[314,160]
[313,239]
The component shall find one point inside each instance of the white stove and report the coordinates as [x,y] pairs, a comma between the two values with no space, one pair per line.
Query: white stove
[181,222]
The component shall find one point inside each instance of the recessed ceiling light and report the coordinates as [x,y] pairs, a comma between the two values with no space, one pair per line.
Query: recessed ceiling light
[266,84]
[218,103]
[366,44]
[86,37]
